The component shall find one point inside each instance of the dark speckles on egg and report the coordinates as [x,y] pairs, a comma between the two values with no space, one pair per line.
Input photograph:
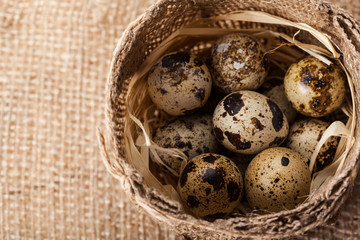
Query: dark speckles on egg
[285,161]
[200,93]
[317,102]
[286,182]
[171,60]
[326,155]
[233,190]
[301,106]
[192,201]
[303,137]
[163,91]
[179,83]
[235,140]
[308,75]
[189,135]
[208,191]
[215,177]
[257,123]
[247,122]
[320,84]
[210,184]
[314,88]
[184,175]
[181,144]
[210,158]
[237,62]
[233,104]
[190,126]
[278,116]
[219,133]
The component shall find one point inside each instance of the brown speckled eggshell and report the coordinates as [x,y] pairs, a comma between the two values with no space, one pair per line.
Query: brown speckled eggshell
[277,179]
[190,134]
[179,83]
[303,137]
[210,185]
[314,88]
[238,63]
[247,122]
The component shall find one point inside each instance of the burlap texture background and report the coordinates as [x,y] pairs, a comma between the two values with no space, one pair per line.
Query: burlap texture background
[54,60]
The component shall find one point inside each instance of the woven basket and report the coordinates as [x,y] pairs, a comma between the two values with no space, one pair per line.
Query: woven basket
[145,34]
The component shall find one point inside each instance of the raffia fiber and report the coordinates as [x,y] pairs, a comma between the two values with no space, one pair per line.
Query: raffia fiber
[54,60]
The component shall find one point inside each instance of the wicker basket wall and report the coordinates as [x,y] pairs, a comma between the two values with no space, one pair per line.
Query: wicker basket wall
[146,33]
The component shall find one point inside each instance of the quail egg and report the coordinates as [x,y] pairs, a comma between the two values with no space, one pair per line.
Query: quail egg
[277,179]
[314,88]
[273,88]
[238,63]
[247,122]
[190,134]
[210,185]
[303,137]
[179,83]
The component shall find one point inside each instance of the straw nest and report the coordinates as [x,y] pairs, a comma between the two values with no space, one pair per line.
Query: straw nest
[289,30]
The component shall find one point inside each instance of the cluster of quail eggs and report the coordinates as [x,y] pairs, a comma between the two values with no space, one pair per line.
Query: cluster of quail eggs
[259,137]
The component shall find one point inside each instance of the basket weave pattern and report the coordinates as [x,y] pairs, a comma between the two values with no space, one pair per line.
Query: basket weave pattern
[157,24]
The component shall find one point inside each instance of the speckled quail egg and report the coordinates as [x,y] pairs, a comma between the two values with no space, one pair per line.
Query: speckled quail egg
[179,83]
[273,88]
[238,63]
[303,137]
[210,185]
[314,88]
[277,179]
[190,134]
[247,122]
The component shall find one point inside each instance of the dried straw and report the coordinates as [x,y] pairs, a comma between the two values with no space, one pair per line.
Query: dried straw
[141,116]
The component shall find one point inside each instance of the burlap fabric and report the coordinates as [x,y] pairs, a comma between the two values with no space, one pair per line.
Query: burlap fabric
[54,60]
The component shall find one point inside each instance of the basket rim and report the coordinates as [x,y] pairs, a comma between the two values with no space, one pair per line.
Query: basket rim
[128,174]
